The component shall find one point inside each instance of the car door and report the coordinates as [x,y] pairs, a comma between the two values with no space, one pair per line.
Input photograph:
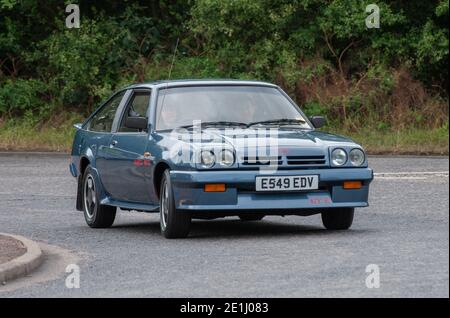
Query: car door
[125,156]
[99,127]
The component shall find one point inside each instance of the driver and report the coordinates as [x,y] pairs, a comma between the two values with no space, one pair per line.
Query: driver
[249,110]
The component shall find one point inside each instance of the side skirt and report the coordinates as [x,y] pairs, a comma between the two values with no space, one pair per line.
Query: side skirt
[131,205]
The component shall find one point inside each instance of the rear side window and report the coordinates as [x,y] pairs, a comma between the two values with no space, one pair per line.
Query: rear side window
[102,121]
[137,107]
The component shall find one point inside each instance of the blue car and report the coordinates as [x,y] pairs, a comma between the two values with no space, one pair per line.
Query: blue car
[213,148]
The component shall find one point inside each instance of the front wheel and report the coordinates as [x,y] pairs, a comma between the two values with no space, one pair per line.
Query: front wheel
[338,219]
[95,214]
[174,224]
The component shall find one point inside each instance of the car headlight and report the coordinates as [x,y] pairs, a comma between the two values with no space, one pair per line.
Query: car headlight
[357,157]
[338,157]
[207,158]
[226,158]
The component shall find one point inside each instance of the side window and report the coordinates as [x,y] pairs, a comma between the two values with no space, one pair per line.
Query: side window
[103,120]
[137,107]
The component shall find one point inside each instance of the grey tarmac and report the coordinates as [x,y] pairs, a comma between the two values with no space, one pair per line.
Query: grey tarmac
[405,231]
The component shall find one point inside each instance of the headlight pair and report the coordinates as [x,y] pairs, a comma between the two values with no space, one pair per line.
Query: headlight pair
[224,158]
[339,157]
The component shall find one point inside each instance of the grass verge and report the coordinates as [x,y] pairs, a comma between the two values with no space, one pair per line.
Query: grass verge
[409,141]
[58,135]
[27,135]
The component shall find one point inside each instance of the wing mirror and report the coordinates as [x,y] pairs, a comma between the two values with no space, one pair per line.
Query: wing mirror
[140,123]
[318,121]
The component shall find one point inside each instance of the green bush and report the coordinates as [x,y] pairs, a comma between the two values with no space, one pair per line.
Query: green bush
[20,95]
[319,51]
[81,66]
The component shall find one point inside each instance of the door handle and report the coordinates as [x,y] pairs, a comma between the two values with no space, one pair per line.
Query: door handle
[113,143]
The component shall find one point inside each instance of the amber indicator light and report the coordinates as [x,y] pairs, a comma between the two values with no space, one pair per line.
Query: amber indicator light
[215,187]
[352,184]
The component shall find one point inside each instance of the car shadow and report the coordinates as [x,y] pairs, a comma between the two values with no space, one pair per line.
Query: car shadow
[237,228]
[227,228]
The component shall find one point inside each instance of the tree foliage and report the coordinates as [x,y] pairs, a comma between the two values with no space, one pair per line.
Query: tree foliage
[320,51]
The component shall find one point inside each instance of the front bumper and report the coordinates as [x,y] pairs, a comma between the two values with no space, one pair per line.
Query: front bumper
[240,194]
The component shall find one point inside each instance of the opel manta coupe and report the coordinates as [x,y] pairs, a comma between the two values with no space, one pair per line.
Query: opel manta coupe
[213,148]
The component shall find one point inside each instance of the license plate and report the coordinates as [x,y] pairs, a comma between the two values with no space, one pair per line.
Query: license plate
[287,183]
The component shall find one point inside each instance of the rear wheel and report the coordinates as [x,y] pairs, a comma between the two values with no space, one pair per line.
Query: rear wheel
[174,224]
[251,217]
[338,219]
[95,214]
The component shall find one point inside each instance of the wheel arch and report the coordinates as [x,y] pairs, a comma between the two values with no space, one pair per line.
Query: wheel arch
[158,174]
[84,162]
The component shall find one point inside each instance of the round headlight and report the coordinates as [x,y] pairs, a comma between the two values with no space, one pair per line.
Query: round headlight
[207,158]
[338,157]
[357,157]
[226,158]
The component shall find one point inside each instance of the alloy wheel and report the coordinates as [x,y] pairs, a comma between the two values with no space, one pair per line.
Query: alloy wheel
[164,205]
[90,199]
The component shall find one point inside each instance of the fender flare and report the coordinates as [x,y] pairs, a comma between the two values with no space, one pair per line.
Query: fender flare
[100,189]
[89,156]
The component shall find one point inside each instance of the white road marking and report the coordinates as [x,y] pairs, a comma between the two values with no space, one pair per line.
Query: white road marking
[419,175]
[400,178]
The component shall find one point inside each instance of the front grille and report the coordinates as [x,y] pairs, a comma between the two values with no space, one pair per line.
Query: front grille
[261,161]
[285,162]
[306,160]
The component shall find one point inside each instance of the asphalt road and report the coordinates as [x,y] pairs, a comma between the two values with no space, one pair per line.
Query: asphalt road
[405,232]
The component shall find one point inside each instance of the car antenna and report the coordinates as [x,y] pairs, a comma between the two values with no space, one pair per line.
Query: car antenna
[170,71]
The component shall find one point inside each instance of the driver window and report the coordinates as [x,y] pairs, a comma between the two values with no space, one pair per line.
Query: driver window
[137,107]
[102,121]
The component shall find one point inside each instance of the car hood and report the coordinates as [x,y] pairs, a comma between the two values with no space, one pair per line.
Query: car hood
[286,139]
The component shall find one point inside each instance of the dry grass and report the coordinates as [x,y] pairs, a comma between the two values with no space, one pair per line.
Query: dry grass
[411,141]
[406,142]
[386,111]
[372,98]
[53,135]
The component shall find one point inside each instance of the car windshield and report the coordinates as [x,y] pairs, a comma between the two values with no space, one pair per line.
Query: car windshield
[225,105]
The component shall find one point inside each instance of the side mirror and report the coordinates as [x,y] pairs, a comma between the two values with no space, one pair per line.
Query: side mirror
[140,123]
[318,121]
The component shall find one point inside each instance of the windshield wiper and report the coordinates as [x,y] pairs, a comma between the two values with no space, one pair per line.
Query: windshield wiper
[281,121]
[217,123]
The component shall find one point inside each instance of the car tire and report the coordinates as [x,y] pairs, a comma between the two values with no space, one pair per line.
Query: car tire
[95,214]
[338,219]
[174,223]
[251,217]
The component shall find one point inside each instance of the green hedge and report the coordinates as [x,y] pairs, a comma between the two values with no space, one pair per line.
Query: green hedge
[319,51]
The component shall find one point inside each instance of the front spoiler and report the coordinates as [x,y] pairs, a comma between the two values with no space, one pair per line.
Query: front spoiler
[189,194]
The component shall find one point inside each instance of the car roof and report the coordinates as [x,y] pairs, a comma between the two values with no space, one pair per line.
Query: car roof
[199,82]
